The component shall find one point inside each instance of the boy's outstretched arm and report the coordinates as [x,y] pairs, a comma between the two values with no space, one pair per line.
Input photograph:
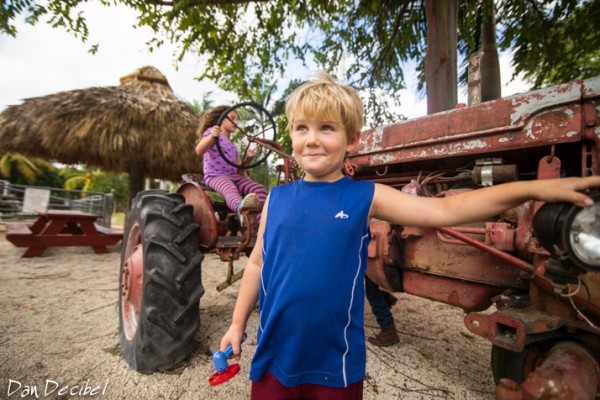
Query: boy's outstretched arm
[248,294]
[397,207]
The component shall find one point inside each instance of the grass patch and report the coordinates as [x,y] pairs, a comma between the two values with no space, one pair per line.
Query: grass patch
[117,219]
[114,351]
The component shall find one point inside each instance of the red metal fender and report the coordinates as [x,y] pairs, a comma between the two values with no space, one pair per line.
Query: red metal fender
[204,214]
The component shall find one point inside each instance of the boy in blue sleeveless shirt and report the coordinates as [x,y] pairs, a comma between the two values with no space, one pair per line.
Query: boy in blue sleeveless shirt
[307,269]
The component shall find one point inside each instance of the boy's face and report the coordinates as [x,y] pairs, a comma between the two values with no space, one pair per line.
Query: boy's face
[320,148]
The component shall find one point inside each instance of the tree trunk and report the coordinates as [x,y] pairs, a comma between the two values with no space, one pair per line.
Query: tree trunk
[491,87]
[136,180]
[440,59]
[474,83]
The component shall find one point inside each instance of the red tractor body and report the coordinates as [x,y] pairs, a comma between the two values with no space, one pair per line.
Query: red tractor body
[549,133]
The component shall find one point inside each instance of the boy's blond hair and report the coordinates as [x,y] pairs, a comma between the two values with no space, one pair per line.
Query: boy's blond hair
[325,99]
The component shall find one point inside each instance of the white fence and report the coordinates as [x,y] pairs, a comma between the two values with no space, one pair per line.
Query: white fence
[21,201]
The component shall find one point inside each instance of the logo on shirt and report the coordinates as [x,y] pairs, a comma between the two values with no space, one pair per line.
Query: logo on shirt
[341,215]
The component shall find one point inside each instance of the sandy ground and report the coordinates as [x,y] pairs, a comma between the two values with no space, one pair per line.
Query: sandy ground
[59,331]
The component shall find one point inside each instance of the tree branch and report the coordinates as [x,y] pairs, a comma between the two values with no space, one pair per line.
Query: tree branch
[204,2]
[378,63]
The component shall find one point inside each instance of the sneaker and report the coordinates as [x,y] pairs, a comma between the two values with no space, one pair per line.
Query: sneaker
[249,202]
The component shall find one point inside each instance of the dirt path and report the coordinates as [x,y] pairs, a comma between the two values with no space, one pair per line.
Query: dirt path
[59,328]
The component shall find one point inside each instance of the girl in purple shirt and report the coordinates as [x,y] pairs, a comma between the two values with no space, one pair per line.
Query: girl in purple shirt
[218,174]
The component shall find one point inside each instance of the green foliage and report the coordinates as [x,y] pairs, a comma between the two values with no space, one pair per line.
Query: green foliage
[246,56]
[77,182]
[76,179]
[278,113]
[12,8]
[14,166]
[554,42]
[250,44]
[49,175]
[70,172]
[202,106]
[57,13]
[21,170]
[92,180]
[110,182]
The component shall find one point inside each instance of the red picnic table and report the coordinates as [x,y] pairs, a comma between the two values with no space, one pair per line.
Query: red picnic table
[58,228]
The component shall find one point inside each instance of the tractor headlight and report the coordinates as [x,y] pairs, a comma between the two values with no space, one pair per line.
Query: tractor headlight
[570,232]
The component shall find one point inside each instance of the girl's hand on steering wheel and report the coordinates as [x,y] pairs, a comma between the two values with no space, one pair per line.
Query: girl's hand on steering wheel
[251,153]
[215,131]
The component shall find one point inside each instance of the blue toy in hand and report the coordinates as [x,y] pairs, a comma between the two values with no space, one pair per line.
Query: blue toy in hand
[224,372]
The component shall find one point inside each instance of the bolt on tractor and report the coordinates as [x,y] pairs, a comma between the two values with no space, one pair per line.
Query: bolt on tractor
[528,279]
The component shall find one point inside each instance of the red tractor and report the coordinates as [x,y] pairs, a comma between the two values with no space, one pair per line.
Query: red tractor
[528,279]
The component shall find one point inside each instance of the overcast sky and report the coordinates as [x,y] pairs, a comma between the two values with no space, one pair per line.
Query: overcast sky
[42,60]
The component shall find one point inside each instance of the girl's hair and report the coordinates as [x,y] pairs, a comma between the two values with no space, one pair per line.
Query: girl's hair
[325,99]
[209,119]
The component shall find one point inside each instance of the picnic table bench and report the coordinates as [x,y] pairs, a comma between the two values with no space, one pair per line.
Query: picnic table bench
[59,228]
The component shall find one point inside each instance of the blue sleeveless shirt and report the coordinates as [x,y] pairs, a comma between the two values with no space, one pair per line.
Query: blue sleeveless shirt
[311,300]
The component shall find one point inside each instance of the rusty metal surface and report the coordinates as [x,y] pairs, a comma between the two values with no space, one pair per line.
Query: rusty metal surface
[466,295]
[493,250]
[575,301]
[544,311]
[425,250]
[591,111]
[378,253]
[429,254]
[542,117]
[569,372]
[510,328]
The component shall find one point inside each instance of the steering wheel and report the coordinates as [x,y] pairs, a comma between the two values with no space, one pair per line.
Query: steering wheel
[257,128]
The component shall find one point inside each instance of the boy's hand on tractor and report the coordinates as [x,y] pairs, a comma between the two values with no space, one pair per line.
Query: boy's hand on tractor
[567,189]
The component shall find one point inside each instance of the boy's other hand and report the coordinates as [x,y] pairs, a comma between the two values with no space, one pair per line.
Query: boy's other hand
[234,338]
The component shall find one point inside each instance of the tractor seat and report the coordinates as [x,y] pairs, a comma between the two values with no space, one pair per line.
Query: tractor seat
[194,178]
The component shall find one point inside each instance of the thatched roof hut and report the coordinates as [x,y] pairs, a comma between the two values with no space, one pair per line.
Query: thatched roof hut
[138,127]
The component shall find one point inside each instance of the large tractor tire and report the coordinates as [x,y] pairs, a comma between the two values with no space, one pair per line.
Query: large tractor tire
[516,366]
[160,283]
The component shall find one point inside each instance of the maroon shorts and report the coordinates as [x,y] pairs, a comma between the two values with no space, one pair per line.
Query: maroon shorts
[269,388]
